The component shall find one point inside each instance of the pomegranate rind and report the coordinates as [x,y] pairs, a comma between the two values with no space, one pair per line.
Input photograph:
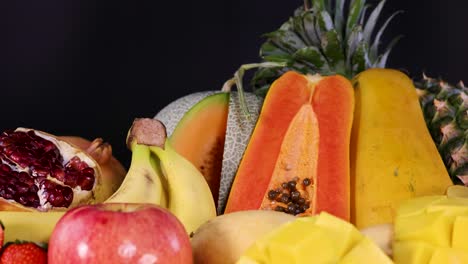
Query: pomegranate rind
[112,170]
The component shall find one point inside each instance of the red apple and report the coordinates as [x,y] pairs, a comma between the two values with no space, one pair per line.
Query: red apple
[119,233]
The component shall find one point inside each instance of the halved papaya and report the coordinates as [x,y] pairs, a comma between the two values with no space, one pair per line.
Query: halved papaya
[297,160]
[283,100]
[200,135]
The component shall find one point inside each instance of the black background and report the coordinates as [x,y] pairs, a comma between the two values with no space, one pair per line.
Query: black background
[89,68]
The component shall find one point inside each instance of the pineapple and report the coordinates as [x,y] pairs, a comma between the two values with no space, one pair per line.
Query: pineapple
[341,37]
[445,109]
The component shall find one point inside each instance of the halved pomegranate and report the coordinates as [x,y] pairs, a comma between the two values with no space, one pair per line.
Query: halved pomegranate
[38,171]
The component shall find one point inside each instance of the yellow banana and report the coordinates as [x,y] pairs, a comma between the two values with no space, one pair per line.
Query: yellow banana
[142,184]
[189,196]
[29,226]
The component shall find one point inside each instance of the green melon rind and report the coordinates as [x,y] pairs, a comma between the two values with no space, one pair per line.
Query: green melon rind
[238,132]
[175,111]
[213,99]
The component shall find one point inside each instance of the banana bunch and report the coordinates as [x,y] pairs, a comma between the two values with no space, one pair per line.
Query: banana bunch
[157,175]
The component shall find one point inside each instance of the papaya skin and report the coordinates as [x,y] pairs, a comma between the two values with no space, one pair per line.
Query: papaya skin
[393,157]
[257,165]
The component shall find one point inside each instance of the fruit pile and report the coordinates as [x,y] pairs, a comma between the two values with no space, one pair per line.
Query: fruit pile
[332,158]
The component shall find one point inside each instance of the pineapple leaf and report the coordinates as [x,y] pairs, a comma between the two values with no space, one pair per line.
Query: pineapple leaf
[270,52]
[312,55]
[308,19]
[360,61]
[262,91]
[318,5]
[382,60]
[354,14]
[372,21]
[328,5]
[353,41]
[298,26]
[286,40]
[263,77]
[325,21]
[331,47]
[330,42]
[375,45]
[362,16]
[339,16]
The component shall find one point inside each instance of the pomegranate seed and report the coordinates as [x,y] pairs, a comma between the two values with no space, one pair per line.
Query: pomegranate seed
[58,173]
[34,189]
[86,181]
[8,195]
[67,195]
[38,171]
[5,168]
[55,200]
[22,187]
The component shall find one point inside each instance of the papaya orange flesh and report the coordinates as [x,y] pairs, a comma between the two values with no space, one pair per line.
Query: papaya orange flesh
[292,185]
[284,99]
[200,135]
[333,103]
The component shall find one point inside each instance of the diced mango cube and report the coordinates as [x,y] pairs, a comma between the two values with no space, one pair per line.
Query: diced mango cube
[460,233]
[418,205]
[412,252]
[298,240]
[344,233]
[366,251]
[434,228]
[448,256]
[319,239]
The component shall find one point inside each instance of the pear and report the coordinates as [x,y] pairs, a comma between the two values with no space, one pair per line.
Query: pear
[225,238]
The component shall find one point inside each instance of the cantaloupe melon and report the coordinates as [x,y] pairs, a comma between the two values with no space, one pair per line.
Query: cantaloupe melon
[171,114]
[199,137]
[210,130]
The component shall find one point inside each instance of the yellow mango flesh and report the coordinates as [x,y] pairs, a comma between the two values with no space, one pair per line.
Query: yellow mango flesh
[365,251]
[460,233]
[449,255]
[432,230]
[322,238]
[393,157]
[412,252]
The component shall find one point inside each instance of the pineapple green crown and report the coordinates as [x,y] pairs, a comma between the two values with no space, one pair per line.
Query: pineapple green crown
[326,37]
